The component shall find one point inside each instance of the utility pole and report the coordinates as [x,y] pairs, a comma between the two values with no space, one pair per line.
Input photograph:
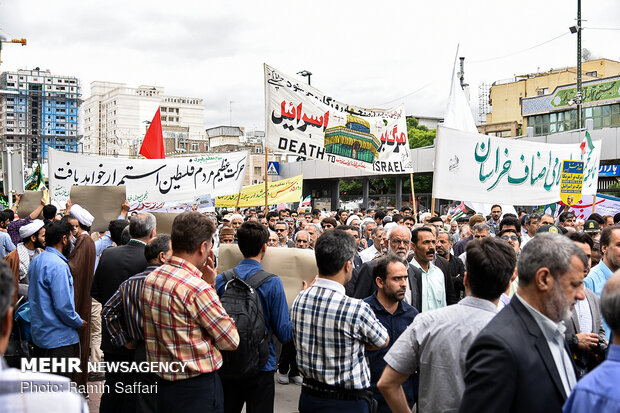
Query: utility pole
[578,96]
[230,102]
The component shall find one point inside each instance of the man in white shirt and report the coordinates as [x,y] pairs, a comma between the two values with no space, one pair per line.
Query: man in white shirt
[375,249]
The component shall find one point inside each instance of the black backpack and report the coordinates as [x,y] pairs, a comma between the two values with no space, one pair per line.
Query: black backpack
[242,302]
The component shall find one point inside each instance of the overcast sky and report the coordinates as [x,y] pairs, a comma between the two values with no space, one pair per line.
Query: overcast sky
[365,53]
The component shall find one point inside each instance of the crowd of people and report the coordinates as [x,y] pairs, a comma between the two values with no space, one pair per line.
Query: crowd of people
[470,314]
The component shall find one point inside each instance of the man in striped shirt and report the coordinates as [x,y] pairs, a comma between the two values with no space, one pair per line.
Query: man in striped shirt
[331,331]
[123,315]
[185,321]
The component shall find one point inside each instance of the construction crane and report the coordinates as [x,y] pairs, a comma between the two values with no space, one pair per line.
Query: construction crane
[18,41]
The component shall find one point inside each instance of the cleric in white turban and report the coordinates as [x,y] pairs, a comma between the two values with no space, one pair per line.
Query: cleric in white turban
[31,228]
[83,216]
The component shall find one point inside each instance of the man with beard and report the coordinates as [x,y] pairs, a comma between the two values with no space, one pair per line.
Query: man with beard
[54,321]
[281,229]
[82,265]
[519,362]
[272,218]
[33,236]
[387,303]
[436,343]
[399,240]
[435,286]
[457,267]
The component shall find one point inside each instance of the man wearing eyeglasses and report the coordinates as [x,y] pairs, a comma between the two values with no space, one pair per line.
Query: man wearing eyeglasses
[281,229]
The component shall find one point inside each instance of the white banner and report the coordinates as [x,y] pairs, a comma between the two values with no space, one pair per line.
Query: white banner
[481,168]
[149,180]
[304,121]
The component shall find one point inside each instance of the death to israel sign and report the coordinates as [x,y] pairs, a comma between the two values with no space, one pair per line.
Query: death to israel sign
[304,121]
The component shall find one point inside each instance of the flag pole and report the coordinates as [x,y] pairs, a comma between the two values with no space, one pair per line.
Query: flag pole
[594,203]
[266,176]
[415,209]
[432,206]
[237,205]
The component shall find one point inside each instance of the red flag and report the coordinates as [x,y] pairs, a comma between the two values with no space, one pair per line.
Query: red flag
[153,143]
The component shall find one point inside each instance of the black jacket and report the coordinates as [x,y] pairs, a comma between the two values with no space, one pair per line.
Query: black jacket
[116,264]
[509,367]
[364,284]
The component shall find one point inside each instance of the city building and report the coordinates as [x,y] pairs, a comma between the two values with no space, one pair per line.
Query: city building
[38,111]
[545,100]
[116,117]
[234,138]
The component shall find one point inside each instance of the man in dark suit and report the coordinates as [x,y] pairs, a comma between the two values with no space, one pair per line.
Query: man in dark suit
[115,266]
[520,362]
[399,240]
[585,325]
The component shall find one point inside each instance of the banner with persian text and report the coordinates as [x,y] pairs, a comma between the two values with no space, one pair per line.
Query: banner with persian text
[481,168]
[149,180]
[302,120]
[279,192]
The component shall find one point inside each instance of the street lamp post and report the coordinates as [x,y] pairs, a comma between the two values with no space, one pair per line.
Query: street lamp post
[578,96]
[305,73]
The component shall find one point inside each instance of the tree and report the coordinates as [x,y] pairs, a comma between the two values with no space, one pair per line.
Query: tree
[419,135]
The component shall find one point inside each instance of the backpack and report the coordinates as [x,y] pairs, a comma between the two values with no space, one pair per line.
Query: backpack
[242,302]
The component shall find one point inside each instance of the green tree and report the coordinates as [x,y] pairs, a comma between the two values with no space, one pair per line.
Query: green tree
[351,186]
[419,135]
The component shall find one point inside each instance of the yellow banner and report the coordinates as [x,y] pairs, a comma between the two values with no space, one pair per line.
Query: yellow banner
[280,192]
[571,182]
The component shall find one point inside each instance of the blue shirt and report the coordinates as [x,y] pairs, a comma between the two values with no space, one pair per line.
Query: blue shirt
[595,281]
[597,277]
[395,324]
[273,300]
[598,390]
[54,322]
[6,245]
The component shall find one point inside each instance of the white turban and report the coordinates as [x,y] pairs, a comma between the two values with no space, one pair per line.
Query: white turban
[30,229]
[83,216]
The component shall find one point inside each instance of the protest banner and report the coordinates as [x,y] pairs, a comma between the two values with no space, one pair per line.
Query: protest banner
[104,203]
[29,202]
[291,265]
[164,221]
[304,121]
[481,168]
[283,191]
[605,205]
[204,203]
[149,180]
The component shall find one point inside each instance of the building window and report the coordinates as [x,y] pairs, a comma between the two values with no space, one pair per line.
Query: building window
[603,116]
[593,74]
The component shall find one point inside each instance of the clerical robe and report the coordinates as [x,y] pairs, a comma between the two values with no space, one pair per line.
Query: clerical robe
[82,266]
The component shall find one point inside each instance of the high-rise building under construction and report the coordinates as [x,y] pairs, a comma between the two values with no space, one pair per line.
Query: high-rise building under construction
[38,111]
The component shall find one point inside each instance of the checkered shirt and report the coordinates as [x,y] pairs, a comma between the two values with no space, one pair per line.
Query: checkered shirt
[185,321]
[330,332]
